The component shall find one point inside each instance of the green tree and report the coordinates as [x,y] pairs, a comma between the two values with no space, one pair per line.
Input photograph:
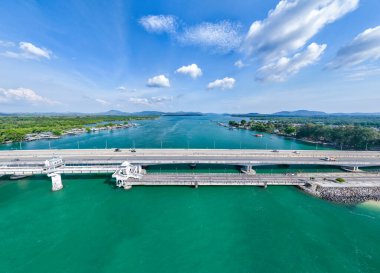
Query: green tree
[290,130]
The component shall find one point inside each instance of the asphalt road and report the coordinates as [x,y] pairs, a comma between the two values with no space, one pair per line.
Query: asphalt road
[201,156]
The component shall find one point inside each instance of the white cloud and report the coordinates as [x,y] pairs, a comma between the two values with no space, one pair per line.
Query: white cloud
[360,72]
[239,64]
[364,48]
[103,102]
[281,69]
[223,36]
[122,88]
[23,94]
[29,51]
[150,101]
[192,70]
[33,50]
[125,89]
[291,25]
[159,81]
[159,23]
[226,83]
[7,44]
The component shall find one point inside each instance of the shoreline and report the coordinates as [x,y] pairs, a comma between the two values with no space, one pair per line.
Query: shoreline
[371,204]
[304,140]
[71,132]
[344,195]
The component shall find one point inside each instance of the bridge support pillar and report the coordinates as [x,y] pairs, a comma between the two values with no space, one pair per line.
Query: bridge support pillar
[56,181]
[128,171]
[123,183]
[248,170]
[353,169]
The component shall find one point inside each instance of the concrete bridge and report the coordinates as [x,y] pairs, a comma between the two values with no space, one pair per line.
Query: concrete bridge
[29,162]
[194,156]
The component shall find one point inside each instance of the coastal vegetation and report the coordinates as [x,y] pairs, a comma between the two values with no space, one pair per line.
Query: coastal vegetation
[365,121]
[343,136]
[14,128]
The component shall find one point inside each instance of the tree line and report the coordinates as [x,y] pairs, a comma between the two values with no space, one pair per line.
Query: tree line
[341,136]
[13,128]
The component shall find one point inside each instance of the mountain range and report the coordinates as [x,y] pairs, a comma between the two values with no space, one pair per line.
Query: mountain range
[308,113]
[297,113]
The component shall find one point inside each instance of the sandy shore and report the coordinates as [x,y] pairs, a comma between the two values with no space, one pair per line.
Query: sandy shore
[371,204]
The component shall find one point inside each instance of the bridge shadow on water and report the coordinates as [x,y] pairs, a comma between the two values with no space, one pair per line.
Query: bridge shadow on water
[189,168]
[215,168]
[107,178]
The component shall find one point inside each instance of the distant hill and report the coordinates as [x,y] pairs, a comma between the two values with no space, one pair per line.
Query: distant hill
[115,113]
[183,114]
[356,114]
[307,113]
[108,113]
[148,113]
[300,113]
[297,113]
[121,113]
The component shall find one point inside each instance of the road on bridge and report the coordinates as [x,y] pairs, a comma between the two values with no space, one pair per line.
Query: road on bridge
[197,156]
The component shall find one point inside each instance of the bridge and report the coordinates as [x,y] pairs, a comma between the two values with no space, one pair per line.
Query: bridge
[82,161]
[193,156]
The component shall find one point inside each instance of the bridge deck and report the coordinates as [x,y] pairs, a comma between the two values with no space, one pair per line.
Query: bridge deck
[217,179]
[214,180]
[183,156]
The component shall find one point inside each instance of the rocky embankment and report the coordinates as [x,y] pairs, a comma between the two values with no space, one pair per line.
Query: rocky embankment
[345,195]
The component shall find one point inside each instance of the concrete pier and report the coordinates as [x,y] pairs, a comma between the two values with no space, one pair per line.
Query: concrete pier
[248,169]
[353,169]
[56,181]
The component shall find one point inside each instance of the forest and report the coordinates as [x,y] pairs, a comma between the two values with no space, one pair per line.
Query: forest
[342,136]
[13,128]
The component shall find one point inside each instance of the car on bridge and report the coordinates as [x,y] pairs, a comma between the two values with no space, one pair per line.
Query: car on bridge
[329,158]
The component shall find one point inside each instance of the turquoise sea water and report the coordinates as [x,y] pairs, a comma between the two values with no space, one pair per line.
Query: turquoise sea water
[91,226]
[171,132]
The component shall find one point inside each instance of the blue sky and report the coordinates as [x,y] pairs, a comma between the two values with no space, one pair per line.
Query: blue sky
[203,55]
